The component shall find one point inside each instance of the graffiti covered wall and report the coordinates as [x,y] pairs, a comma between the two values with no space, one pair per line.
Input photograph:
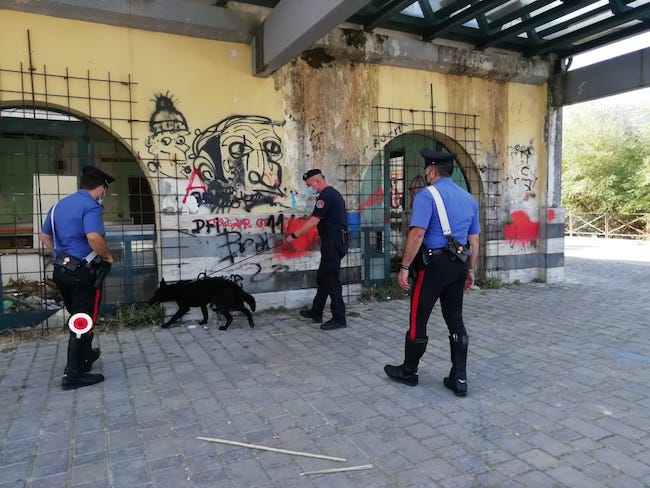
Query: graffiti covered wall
[224,151]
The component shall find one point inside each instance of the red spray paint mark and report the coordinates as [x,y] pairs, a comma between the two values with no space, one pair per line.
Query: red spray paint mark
[301,246]
[551,215]
[521,229]
[191,186]
[377,198]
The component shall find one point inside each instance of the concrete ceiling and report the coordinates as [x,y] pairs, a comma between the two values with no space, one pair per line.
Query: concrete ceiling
[530,32]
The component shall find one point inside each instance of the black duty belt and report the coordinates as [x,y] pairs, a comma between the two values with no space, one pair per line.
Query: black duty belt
[434,251]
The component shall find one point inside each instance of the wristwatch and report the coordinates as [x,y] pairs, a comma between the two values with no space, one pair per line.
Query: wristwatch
[293,235]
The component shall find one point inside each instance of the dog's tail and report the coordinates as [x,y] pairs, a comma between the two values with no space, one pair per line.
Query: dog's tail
[248,299]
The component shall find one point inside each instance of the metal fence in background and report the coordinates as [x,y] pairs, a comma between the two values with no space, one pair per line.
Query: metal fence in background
[609,225]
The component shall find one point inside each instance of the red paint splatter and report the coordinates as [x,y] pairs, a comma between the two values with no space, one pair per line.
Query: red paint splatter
[551,215]
[301,246]
[521,229]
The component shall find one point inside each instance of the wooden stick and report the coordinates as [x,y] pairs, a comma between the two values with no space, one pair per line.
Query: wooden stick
[272,449]
[338,470]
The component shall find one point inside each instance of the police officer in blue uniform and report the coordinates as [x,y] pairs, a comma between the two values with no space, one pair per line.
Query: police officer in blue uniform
[437,272]
[74,232]
[330,218]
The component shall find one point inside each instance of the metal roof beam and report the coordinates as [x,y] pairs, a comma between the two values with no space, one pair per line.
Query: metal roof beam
[390,9]
[591,30]
[617,75]
[532,22]
[459,19]
[294,26]
[604,40]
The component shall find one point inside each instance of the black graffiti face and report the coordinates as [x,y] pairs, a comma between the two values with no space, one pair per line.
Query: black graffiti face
[251,156]
[258,153]
[169,150]
[241,159]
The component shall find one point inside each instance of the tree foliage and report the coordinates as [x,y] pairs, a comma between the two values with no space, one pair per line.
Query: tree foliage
[606,159]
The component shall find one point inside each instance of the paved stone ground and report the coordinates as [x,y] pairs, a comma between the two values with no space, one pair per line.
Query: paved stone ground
[559,396]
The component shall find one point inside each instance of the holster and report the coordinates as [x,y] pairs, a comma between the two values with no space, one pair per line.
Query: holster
[69,263]
[101,269]
[457,250]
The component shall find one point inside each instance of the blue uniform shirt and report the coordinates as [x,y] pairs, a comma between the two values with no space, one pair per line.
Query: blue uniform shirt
[330,207]
[74,217]
[462,212]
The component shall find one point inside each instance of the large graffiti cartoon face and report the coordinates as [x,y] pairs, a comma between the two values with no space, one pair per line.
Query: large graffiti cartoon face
[168,143]
[241,159]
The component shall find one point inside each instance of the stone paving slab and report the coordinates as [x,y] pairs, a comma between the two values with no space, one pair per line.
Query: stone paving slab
[559,396]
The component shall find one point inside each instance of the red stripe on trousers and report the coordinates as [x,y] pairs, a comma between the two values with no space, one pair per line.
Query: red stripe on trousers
[415,303]
[98,293]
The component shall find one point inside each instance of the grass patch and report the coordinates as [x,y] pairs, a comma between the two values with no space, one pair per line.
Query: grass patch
[392,291]
[130,316]
[490,283]
[277,310]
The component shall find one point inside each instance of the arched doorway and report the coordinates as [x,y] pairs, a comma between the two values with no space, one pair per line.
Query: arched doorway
[387,191]
[42,152]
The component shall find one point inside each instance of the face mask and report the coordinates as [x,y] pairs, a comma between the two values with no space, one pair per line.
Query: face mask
[312,192]
[100,200]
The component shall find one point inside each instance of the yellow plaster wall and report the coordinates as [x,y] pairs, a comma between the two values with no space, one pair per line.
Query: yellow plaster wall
[326,111]
[209,80]
[510,122]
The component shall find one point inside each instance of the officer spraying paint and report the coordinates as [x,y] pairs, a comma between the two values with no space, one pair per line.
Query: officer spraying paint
[330,218]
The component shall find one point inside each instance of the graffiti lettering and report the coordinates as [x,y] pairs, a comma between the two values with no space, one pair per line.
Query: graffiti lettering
[392,133]
[272,222]
[524,171]
[275,223]
[192,186]
[219,224]
[236,246]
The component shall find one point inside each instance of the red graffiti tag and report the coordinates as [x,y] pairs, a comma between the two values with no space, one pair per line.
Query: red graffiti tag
[377,198]
[521,229]
[191,186]
[302,245]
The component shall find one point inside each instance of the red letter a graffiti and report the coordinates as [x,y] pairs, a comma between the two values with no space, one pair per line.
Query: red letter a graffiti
[190,186]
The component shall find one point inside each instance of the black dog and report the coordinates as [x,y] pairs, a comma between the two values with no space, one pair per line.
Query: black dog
[221,294]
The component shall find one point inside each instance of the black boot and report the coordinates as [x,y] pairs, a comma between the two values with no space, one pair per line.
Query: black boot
[75,376]
[457,379]
[88,354]
[90,358]
[308,313]
[74,379]
[407,372]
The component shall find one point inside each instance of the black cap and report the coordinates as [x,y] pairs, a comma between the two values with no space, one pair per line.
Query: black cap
[96,176]
[310,173]
[432,157]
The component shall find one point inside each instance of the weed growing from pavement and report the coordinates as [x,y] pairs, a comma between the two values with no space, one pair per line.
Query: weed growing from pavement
[130,316]
[392,291]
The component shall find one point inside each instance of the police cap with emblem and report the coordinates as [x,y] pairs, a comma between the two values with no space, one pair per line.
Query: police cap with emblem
[95,176]
[432,157]
[310,173]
